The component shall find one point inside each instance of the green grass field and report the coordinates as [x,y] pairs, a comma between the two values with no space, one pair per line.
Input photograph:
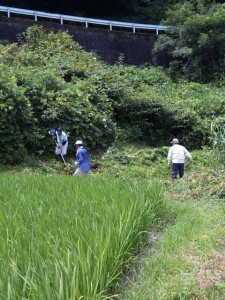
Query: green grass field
[70,238]
[126,232]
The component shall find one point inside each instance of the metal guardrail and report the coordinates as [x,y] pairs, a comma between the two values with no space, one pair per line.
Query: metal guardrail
[86,21]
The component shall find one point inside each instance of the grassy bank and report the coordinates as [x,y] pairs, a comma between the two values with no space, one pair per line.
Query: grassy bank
[186,258]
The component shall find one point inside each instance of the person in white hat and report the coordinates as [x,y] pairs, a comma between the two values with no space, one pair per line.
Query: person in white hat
[83,160]
[177,154]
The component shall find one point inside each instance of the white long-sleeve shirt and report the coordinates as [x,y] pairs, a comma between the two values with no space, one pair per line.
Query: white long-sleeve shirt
[61,137]
[177,154]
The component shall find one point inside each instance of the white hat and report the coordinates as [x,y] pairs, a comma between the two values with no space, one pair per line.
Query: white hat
[175,141]
[79,142]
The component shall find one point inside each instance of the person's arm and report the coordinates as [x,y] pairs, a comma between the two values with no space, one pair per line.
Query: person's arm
[188,154]
[80,158]
[52,133]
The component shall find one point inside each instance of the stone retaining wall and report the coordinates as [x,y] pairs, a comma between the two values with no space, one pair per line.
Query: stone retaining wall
[109,45]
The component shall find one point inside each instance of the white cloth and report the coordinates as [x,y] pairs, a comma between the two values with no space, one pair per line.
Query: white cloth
[61,149]
[177,154]
[80,172]
[61,137]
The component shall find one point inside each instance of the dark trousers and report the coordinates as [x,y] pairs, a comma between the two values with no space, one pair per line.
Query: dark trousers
[177,168]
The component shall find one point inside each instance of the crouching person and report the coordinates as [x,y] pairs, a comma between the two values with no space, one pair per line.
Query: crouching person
[60,138]
[83,160]
[62,142]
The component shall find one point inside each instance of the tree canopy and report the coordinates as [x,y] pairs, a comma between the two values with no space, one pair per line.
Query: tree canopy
[127,10]
[195,40]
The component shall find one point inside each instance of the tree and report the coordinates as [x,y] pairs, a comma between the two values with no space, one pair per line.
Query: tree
[142,11]
[195,41]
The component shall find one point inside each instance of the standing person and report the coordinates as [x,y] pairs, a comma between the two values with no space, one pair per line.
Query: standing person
[177,154]
[61,140]
[83,160]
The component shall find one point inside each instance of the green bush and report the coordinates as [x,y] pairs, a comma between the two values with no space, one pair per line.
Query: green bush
[39,93]
[49,81]
[16,116]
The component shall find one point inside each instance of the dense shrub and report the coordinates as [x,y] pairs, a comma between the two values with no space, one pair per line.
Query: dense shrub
[45,86]
[49,81]
[16,116]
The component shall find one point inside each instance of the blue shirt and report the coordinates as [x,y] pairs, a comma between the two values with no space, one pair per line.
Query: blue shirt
[61,138]
[83,159]
[53,132]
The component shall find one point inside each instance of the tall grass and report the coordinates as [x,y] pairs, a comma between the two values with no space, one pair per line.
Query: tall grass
[217,137]
[70,238]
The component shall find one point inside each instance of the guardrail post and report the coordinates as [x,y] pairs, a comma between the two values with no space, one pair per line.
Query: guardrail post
[35,17]
[157,30]
[8,13]
[86,23]
[61,20]
[110,26]
[133,28]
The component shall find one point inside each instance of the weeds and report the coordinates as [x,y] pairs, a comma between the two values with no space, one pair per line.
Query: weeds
[217,137]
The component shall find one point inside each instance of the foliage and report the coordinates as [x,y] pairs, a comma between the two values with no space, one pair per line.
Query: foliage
[195,40]
[47,85]
[199,104]
[217,137]
[15,110]
[59,84]
[139,98]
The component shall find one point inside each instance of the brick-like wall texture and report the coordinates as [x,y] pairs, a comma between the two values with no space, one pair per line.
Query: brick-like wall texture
[109,45]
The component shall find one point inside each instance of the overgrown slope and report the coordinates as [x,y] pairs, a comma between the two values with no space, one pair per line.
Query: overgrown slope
[48,80]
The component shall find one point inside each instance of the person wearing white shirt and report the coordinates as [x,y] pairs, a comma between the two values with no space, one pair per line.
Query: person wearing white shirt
[61,140]
[177,154]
